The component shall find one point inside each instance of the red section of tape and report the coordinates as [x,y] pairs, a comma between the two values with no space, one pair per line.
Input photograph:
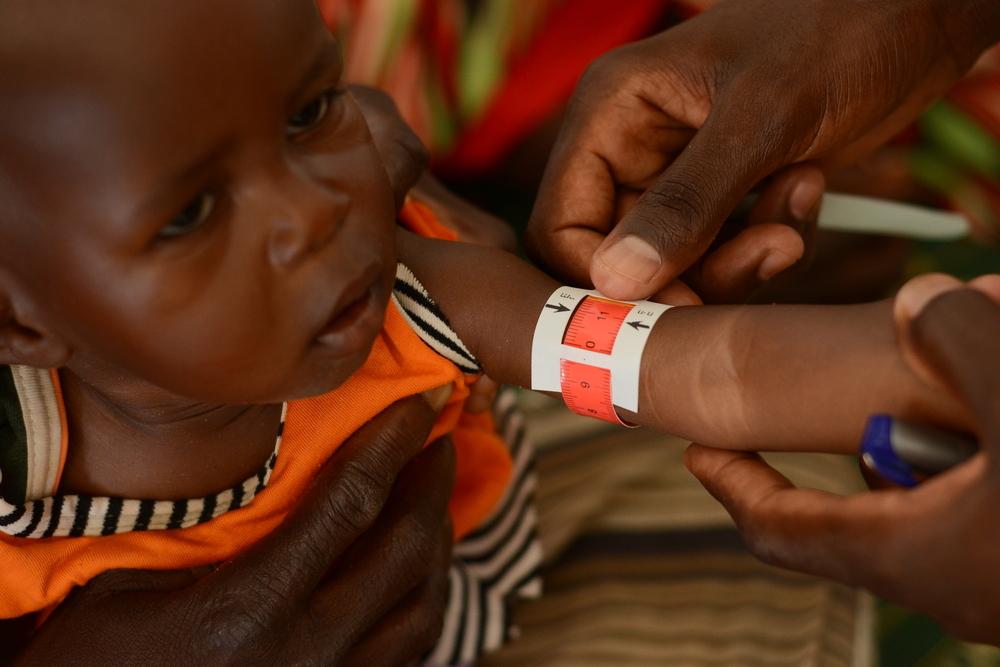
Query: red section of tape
[595,324]
[586,390]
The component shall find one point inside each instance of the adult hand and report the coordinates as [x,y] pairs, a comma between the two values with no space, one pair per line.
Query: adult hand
[403,154]
[933,548]
[405,159]
[356,575]
[664,137]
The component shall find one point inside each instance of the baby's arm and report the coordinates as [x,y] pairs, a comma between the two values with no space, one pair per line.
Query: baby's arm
[741,377]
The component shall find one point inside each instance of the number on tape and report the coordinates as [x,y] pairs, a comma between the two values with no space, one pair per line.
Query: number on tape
[589,348]
[596,323]
[587,390]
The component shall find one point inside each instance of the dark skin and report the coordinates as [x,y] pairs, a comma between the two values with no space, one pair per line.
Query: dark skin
[325,588]
[737,377]
[948,331]
[224,287]
[395,597]
[665,136]
[288,222]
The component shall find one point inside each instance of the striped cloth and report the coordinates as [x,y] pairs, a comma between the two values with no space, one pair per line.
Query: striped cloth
[496,563]
[492,566]
[644,568]
[79,516]
[425,317]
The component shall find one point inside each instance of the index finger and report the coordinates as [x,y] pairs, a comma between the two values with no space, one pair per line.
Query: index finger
[573,212]
[842,538]
[343,502]
[675,220]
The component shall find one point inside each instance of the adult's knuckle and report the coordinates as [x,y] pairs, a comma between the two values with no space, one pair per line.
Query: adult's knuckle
[417,540]
[608,79]
[604,70]
[233,626]
[674,212]
[356,501]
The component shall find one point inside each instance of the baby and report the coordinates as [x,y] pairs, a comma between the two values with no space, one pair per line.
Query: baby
[204,289]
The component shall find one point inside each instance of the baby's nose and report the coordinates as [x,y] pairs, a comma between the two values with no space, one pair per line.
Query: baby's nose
[304,220]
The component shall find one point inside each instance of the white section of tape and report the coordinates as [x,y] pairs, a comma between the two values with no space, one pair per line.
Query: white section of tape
[626,357]
[546,346]
[624,361]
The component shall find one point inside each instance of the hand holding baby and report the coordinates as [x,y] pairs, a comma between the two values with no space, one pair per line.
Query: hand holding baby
[324,588]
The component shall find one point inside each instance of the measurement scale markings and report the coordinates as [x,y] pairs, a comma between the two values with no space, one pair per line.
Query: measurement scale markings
[587,390]
[595,324]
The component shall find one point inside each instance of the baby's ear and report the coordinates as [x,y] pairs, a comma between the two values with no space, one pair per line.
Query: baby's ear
[25,343]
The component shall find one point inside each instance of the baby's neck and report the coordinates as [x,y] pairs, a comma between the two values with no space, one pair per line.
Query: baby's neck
[133,445]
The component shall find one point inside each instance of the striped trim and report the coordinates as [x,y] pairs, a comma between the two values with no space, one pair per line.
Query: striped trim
[494,564]
[43,428]
[427,320]
[497,562]
[78,516]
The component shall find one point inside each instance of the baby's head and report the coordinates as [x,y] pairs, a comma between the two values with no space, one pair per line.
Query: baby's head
[189,201]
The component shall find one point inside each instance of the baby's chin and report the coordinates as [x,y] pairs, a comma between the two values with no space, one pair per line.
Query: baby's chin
[339,352]
[321,378]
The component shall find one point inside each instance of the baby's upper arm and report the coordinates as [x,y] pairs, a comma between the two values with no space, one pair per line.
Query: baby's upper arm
[490,297]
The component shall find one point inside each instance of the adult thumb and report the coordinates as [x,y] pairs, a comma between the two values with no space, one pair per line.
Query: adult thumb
[675,220]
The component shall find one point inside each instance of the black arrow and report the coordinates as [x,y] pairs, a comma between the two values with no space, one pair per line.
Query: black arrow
[638,325]
[559,308]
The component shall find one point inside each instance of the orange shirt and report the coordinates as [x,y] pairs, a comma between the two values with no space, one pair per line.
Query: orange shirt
[36,574]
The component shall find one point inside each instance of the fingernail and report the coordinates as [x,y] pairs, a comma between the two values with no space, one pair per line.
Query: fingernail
[438,397]
[774,263]
[916,294]
[632,258]
[806,196]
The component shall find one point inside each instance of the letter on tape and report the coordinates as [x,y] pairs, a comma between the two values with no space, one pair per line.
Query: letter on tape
[578,328]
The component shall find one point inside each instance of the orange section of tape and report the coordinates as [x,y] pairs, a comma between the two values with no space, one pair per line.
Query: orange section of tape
[596,323]
[587,390]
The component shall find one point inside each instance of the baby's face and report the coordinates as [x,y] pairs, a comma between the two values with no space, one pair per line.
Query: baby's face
[189,196]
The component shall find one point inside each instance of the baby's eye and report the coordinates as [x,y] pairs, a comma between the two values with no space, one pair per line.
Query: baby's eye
[191,218]
[310,115]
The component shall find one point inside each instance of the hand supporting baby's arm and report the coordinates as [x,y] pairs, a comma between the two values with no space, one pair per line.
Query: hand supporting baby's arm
[740,377]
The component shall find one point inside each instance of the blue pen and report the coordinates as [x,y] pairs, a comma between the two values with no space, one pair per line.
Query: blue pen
[905,453]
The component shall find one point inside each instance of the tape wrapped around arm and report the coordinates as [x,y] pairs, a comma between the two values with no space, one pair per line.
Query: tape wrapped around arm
[589,348]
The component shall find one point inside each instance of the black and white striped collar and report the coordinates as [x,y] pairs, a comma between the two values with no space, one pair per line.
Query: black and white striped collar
[43,515]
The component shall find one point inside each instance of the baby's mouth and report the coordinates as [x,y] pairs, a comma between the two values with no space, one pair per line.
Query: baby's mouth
[352,328]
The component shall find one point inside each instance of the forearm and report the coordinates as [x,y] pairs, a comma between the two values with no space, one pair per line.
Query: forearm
[740,377]
[781,377]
